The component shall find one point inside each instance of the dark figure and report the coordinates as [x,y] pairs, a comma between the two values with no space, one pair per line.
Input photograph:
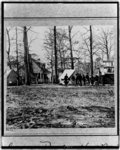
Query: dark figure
[109,69]
[46,79]
[73,78]
[96,80]
[92,80]
[88,79]
[100,77]
[77,79]
[83,78]
[66,80]
[103,80]
[80,79]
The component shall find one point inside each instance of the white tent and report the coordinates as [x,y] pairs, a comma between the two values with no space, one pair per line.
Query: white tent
[69,73]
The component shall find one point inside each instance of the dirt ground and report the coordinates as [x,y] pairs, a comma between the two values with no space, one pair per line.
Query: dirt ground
[56,106]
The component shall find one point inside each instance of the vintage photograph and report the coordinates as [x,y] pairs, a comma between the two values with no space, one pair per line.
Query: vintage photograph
[60,77]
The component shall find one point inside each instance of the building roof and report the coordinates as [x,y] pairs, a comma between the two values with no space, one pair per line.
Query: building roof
[35,67]
[40,64]
[39,67]
[9,71]
[11,74]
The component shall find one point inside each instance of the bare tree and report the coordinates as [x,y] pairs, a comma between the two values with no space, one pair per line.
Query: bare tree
[19,43]
[26,56]
[65,45]
[17,55]
[71,49]
[91,51]
[89,46]
[55,50]
[105,41]
[9,47]
[49,47]
[14,47]
[61,47]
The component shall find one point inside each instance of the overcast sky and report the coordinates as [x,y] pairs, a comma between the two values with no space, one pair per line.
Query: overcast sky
[38,34]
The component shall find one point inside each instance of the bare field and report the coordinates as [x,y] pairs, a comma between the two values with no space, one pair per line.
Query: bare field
[55,106]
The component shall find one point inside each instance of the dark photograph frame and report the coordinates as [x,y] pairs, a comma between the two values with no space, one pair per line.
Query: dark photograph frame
[9,20]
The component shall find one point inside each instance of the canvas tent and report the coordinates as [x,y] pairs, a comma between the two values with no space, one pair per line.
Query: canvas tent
[12,77]
[69,72]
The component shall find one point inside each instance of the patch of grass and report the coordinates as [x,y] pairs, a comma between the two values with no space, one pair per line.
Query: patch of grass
[51,107]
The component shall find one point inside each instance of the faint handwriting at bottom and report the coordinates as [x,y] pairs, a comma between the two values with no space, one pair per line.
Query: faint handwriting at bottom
[11,144]
[46,142]
[105,144]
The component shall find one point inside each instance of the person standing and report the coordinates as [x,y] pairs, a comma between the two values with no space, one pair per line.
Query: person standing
[92,80]
[80,79]
[96,80]
[83,78]
[73,80]
[88,79]
[66,79]
[77,78]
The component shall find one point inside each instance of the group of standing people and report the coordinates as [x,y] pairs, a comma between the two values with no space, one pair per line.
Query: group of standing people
[82,79]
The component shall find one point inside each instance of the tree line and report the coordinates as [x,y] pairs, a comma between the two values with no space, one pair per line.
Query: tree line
[64,50]
[62,46]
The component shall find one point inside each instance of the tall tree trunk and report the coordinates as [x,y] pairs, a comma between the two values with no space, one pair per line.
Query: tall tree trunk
[71,51]
[52,73]
[91,51]
[107,50]
[26,56]
[102,56]
[55,49]
[64,60]
[8,52]
[61,60]
[17,55]
[52,66]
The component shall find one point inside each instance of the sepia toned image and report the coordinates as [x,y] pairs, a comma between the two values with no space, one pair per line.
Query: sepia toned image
[60,77]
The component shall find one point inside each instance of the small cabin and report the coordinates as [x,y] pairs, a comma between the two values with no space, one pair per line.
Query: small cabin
[39,71]
[109,66]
